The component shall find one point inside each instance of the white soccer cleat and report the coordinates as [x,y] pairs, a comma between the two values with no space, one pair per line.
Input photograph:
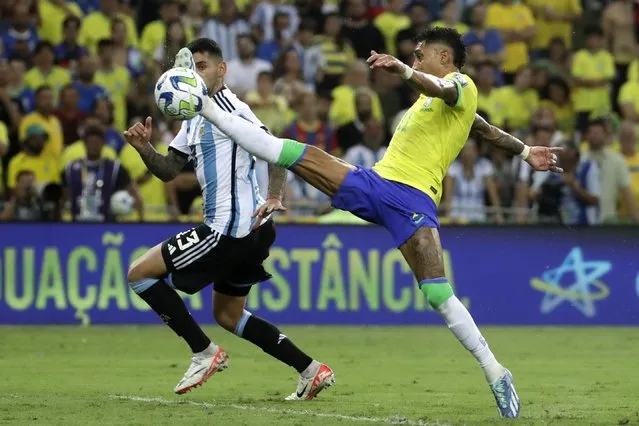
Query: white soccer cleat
[308,388]
[184,59]
[202,367]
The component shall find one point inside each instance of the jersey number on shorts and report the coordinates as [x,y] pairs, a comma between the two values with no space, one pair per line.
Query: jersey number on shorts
[184,241]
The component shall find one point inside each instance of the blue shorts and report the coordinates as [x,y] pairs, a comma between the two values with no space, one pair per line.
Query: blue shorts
[399,208]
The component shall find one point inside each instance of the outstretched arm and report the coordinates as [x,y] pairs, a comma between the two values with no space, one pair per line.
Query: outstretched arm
[540,158]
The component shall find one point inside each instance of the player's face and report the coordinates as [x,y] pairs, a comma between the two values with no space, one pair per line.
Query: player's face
[210,68]
[429,58]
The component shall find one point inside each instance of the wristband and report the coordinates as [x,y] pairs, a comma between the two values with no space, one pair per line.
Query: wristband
[525,153]
[408,72]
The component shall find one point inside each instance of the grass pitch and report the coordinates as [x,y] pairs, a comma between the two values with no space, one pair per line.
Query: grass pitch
[410,375]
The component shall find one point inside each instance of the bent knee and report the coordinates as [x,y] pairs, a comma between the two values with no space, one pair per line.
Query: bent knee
[150,265]
[227,318]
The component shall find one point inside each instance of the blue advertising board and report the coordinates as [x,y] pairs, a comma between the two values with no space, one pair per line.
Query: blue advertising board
[76,274]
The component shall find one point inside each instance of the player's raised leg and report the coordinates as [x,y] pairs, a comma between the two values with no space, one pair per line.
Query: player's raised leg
[149,279]
[230,313]
[423,253]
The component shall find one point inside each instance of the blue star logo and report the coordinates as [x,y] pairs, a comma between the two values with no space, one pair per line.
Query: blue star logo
[572,282]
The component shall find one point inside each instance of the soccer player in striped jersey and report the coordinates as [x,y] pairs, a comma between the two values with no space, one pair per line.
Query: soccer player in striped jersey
[402,190]
[228,248]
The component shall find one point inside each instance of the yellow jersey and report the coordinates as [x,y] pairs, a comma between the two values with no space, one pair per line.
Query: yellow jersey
[56,78]
[516,108]
[508,18]
[633,167]
[78,150]
[389,24]
[4,140]
[343,110]
[117,82]
[43,167]
[154,35]
[429,138]
[587,65]
[54,145]
[96,26]
[546,29]
[459,26]
[52,17]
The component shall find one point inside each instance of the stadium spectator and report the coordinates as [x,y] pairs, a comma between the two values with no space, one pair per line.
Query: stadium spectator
[69,114]
[44,167]
[126,55]
[449,17]
[289,71]
[620,39]
[310,53]
[9,110]
[242,72]
[393,95]
[20,94]
[467,181]
[271,50]
[86,86]
[176,38]
[104,111]
[271,109]
[629,101]
[152,190]
[405,39]
[44,117]
[68,51]
[91,181]
[615,177]
[391,22]
[194,17]
[628,150]
[362,34]
[370,149]
[157,33]
[553,18]
[475,56]
[343,108]
[516,25]
[336,53]
[571,198]
[592,70]
[116,80]
[518,102]
[97,25]
[225,28]
[77,150]
[489,38]
[488,96]
[24,204]
[45,72]
[558,60]
[54,15]
[352,132]
[308,128]
[557,99]
[4,148]
[21,37]
[262,19]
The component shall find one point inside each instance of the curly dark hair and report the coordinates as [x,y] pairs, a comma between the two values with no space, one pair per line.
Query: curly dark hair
[449,37]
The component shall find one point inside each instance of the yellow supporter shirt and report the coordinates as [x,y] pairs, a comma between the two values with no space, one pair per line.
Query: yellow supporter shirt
[96,26]
[459,26]
[213,6]
[53,147]
[564,115]
[517,108]
[154,34]
[52,18]
[4,140]
[151,191]
[629,94]
[547,30]
[633,71]
[117,82]
[592,66]
[43,167]
[57,78]
[389,24]
[490,103]
[633,167]
[514,17]
[429,138]
[334,59]
[77,151]
[343,111]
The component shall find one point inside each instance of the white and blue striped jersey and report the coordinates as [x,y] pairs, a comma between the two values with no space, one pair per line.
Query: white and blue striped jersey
[225,172]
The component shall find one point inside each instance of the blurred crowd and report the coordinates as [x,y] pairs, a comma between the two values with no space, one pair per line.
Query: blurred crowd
[75,74]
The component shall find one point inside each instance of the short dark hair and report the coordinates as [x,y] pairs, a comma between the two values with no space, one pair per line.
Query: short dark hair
[593,30]
[71,19]
[205,45]
[448,36]
[597,122]
[105,43]
[41,89]
[24,172]
[93,131]
[43,45]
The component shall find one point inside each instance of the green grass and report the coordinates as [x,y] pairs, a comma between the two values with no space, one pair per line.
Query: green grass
[71,375]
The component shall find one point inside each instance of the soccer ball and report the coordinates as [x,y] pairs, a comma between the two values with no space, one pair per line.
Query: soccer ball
[121,203]
[179,93]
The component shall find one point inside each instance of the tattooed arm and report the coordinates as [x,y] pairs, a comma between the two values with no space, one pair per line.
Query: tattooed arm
[483,130]
[276,181]
[165,167]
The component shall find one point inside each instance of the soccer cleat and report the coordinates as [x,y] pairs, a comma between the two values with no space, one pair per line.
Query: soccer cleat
[308,388]
[201,368]
[507,400]
[184,59]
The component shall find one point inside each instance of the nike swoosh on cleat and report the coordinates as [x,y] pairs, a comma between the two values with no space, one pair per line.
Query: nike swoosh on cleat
[299,395]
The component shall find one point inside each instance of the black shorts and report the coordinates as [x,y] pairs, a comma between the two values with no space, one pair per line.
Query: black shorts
[201,256]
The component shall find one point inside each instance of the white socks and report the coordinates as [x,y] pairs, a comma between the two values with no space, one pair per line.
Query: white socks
[311,370]
[461,323]
[208,352]
[243,132]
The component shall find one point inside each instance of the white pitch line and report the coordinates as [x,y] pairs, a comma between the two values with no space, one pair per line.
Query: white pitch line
[390,420]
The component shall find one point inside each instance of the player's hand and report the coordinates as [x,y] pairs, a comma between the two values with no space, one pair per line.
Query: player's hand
[543,158]
[139,134]
[386,62]
[271,205]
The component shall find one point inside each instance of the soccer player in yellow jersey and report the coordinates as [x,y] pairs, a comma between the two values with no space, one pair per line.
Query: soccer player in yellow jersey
[401,192]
